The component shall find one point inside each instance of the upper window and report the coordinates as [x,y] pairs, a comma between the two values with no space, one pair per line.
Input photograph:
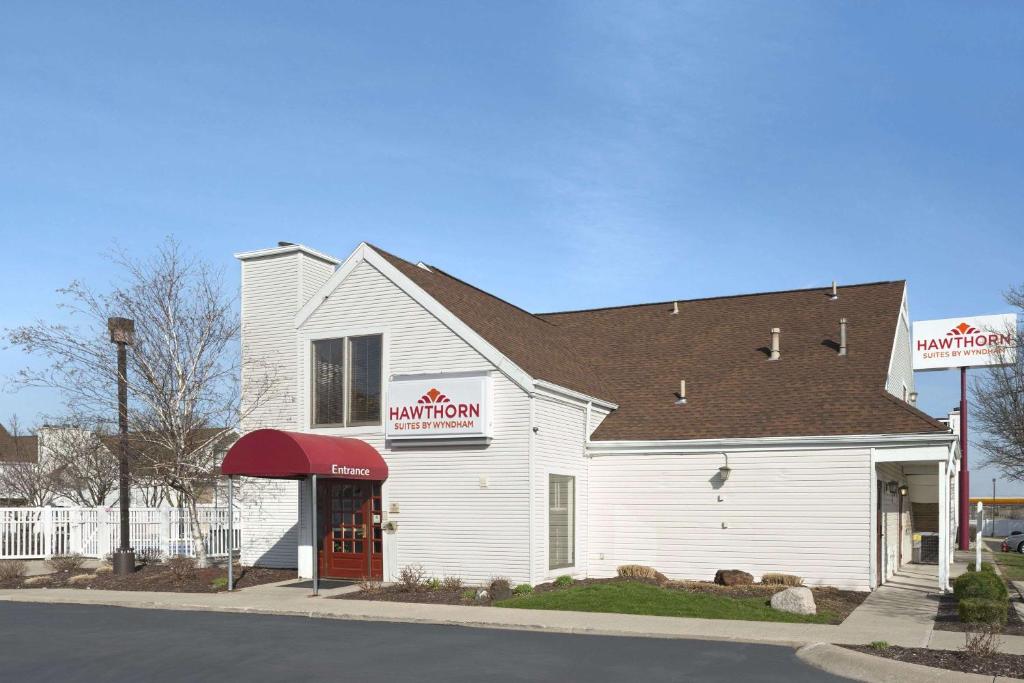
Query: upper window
[347,381]
[561,521]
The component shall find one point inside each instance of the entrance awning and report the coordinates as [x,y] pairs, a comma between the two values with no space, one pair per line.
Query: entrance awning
[275,454]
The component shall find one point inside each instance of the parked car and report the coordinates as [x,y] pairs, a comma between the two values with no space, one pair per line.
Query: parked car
[1013,543]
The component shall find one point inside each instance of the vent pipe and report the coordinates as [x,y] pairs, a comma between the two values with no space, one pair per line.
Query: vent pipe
[681,396]
[842,336]
[675,308]
[835,292]
[776,333]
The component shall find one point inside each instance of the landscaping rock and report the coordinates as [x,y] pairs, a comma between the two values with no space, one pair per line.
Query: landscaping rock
[104,569]
[482,595]
[797,600]
[733,577]
[81,578]
[37,580]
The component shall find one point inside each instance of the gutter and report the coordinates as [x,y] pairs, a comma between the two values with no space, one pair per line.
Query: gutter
[767,443]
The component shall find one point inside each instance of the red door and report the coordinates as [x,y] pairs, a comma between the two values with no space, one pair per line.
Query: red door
[351,545]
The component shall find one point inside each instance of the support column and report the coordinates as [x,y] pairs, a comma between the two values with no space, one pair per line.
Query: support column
[313,534]
[964,499]
[943,481]
[231,533]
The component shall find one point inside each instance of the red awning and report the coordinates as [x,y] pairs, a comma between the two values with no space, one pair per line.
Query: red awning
[274,454]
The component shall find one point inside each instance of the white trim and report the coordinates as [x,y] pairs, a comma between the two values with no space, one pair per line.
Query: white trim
[873,526]
[277,251]
[305,379]
[770,443]
[365,252]
[904,319]
[562,392]
[531,472]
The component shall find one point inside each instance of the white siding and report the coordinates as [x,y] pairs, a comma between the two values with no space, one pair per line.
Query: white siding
[463,510]
[805,513]
[892,535]
[901,365]
[559,449]
[273,288]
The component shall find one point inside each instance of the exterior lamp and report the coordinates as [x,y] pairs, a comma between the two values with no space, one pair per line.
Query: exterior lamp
[724,471]
[904,490]
[913,398]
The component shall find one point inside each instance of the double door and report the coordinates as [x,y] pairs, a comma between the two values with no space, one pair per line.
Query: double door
[351,536]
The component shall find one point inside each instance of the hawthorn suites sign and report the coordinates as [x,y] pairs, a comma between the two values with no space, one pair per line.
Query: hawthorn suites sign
[964,342]
[454,406]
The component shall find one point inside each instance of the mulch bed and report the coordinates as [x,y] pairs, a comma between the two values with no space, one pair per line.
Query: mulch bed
[948,619]
[839,602]
[154,577]
[1011,666]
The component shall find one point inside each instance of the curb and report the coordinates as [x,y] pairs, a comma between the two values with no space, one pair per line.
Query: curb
[404,619]
[864,667]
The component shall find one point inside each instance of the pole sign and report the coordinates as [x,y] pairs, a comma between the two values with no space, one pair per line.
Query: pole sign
[965,342]
[439,407]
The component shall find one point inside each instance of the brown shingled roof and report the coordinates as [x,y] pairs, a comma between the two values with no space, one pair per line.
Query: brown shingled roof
[635,356]
[21,448]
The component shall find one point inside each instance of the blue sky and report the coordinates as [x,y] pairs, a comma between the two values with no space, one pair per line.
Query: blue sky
[561,155]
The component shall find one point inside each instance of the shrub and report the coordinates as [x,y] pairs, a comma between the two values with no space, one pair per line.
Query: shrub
[776,579]
[182,567]
[982,611]
[636,571]
[433,584]
[985,567]
[219,582]
[469,594]
[66,563]
[411,577]
[563,581]
[370,585]
[452,584]
[523,589]
[13,569]
[982,642]
[878,645]
[149,555]
[982,584]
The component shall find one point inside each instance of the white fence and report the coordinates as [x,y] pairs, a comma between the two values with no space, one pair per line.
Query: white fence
[29,533]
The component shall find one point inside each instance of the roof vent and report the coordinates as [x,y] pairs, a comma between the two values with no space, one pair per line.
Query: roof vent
[681,396]
[774,351]
[842,336]
[286,244]
[675,308]
[835,292]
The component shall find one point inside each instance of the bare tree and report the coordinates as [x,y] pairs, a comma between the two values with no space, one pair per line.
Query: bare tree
[998,402]
[184,368]
[86,469]
[23,474]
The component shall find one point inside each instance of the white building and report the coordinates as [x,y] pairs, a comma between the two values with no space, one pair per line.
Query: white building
[531,446]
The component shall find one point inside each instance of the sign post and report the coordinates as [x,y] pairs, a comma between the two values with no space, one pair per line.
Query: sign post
[977,543]
[971,341]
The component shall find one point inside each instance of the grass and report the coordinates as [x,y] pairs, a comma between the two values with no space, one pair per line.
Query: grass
[630,597]
[1011,564]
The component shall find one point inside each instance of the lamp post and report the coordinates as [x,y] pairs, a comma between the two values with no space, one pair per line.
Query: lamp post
[122,333]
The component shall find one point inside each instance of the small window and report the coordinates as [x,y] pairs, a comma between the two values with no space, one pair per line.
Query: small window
[561,521]
[347,381]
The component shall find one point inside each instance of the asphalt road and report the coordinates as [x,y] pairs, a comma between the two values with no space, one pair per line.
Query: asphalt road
[86,643]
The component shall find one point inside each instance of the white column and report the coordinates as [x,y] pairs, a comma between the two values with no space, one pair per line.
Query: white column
[47,520]
[943,527]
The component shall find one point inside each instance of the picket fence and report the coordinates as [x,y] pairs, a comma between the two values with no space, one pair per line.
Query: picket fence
[40,533]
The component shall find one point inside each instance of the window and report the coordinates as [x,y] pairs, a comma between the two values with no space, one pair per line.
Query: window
[347,381]
[561,521]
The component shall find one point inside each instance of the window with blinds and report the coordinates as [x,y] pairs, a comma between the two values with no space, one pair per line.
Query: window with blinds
[347,381]
[561,521]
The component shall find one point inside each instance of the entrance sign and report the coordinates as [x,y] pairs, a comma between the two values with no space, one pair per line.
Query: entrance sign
[965,342]
[452,406]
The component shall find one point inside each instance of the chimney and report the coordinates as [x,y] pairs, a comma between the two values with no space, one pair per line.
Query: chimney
[681,400]
[776,332]
[835,292]
[842,336]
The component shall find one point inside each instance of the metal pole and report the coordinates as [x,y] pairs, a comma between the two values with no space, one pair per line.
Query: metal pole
[977,542]
[964,540]
[313,534]
[122,333]
[231,533]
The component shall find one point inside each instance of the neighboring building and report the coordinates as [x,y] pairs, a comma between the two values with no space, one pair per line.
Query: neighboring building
[535,445]
[39,450]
